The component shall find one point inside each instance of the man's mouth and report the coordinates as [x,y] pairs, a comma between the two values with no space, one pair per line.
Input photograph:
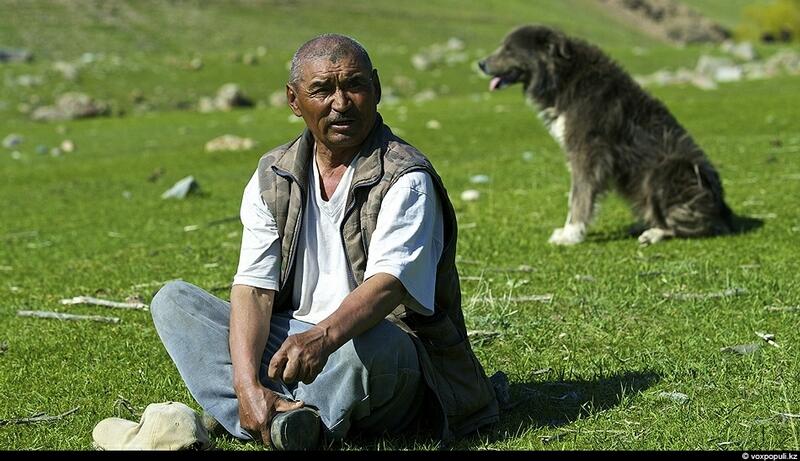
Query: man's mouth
[342,123]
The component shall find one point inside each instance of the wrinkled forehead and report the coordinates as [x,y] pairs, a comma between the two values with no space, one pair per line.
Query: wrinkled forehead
[342,67]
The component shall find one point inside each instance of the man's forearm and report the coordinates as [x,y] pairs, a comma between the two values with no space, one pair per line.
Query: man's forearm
[251,310]
[362,309]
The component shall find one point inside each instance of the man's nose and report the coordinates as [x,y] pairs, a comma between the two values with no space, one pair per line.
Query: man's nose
[341,101]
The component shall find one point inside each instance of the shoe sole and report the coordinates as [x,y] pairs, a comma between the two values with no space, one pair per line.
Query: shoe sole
[296,430]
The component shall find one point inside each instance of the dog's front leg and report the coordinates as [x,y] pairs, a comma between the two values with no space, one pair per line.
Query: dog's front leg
[581,206]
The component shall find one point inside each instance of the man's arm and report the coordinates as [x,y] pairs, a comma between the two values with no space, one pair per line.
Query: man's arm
[251,310]
[302,356]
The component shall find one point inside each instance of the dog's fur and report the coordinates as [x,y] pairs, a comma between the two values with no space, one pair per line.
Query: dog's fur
[613,134]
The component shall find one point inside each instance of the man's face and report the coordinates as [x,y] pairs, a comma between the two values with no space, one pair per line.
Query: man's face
[337,99]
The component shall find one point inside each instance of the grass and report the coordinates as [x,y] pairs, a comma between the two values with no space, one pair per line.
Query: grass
[90,223]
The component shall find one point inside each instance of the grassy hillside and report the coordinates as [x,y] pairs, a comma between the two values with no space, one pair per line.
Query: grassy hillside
[588,369]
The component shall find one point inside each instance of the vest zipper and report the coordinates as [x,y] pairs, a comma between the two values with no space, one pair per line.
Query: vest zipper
[295,236]
[347,212]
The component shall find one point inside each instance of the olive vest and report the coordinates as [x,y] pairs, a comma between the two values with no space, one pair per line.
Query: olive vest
[462,396]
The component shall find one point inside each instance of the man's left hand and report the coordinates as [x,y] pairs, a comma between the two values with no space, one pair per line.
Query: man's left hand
[301,357]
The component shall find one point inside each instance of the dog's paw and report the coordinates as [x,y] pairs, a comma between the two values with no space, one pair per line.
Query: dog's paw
[653,235]
[568,235]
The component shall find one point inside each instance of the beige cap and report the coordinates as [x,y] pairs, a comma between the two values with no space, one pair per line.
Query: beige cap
[164,426]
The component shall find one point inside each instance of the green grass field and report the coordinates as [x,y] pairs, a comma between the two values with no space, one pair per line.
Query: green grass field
[587,369]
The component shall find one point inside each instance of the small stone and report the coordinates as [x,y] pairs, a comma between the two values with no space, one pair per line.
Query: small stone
[678,397]
[55,152]
[126,194]
[470,195]
[68,70]
[261,51]
[196,63]
[249,59]
[67,146]
[277,98]
[479,179]
[12,140]
[182,188]
[16,155]
[527,156]
[433,125]
[229,142]
[41,149]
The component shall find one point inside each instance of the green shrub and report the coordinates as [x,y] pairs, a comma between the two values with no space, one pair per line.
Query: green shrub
[776,21]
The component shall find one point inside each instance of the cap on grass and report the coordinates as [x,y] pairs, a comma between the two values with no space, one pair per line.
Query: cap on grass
[163,426]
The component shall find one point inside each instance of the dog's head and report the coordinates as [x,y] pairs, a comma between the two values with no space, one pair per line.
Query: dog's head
[531,55]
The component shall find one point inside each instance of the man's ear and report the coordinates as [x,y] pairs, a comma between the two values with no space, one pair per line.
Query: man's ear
[291,99]
[376,83]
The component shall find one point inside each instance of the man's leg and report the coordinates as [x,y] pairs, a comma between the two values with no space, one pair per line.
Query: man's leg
[193,325]
[371,384]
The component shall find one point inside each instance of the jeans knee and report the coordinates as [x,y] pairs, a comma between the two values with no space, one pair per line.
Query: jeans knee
[385,345]
[166,299]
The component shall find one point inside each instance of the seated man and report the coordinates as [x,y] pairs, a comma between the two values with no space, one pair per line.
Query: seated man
[345,313]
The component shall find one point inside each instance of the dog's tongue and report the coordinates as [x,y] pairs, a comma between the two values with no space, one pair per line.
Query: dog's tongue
[495,83]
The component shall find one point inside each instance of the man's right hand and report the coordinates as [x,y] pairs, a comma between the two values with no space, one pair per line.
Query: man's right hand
[257,406]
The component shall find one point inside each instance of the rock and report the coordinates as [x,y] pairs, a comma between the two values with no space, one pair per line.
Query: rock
[196,63]
[729,74]
[744,51]
[182,188]
[278,98]
[227,98]
[29,80]
[16,155]
[678,397]
[71,106]
[670,19]
[425,96]
[67,146]
[68,70]
[708,65]
[229,142]
[470,195]
[448,53]
[12,140]
[230,96]
[249,59]
[433,125]
[15,55]
[479,179]
[41,149]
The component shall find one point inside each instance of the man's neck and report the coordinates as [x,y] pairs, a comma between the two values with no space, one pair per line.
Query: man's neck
[331,166]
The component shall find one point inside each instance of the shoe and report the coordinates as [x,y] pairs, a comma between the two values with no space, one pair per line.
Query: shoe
[296,430]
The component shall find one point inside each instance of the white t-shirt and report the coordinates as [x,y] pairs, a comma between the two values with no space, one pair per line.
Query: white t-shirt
[406,243]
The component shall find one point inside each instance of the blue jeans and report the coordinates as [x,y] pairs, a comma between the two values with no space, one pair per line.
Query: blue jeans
[372,384]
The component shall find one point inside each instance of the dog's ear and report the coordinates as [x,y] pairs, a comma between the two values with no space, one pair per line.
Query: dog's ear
[560,47]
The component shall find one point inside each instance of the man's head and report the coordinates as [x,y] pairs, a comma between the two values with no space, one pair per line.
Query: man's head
[333,86]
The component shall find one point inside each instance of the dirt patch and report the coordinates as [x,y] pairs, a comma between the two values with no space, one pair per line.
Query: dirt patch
[668,20]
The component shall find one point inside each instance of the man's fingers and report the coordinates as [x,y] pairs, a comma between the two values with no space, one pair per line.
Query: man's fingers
[291,371]
[282,405]
[277,364]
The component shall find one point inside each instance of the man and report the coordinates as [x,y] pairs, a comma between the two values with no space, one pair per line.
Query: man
[345,313]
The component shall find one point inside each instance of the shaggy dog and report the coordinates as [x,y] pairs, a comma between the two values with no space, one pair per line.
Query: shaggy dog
[613,134]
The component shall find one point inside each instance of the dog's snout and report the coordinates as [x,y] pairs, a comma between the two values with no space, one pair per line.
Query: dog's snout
[482,64]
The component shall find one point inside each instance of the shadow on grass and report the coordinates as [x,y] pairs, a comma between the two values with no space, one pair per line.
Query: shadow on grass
[536,404]
[741,225]
[560,402]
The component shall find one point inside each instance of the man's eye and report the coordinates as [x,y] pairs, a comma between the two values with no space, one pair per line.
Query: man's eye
[320,91]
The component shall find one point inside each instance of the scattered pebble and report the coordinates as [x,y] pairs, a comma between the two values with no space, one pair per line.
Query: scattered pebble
[479,179]
[433,125]
[527,156]
[67,146]
[229,142]
[182,188]
[678,397]
[470,195]
[12,140]
[742,349]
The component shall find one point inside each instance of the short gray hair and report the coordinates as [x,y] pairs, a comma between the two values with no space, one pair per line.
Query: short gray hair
[332,46]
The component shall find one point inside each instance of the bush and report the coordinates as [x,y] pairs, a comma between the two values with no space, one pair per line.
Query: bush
[778,21]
